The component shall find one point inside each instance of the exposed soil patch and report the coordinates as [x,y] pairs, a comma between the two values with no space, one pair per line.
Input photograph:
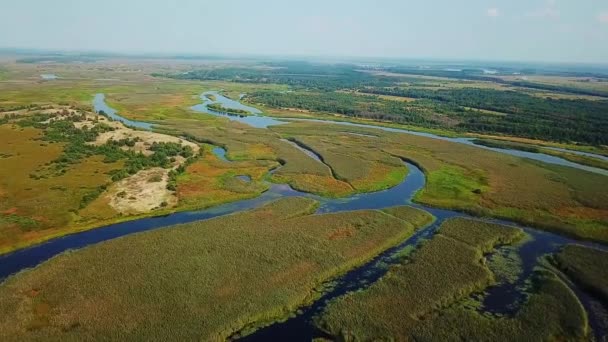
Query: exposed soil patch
[138,194]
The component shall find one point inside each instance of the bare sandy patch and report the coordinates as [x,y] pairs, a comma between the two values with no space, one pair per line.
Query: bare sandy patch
[142,192]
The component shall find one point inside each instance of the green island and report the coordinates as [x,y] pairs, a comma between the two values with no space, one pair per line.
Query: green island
[219,108]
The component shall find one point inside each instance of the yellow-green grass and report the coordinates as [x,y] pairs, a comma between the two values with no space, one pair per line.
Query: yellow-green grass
[210,181]
[558,198]
[468,178]
[443,271]
[155,101]
[417,217]
[45,93]
[245,143]
[482,182]
[453,187]
[32,208]
[199,281]
[551,313]
[586,266]
[352,159]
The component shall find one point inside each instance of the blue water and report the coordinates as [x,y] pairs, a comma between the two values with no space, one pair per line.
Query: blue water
[580,153]
[220,153]
[49,77]
[255,120]
[99,104]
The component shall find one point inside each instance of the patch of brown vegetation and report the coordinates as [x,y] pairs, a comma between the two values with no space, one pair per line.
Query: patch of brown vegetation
[341,233]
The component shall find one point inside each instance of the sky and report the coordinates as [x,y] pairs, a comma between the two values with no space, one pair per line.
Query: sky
[505,30]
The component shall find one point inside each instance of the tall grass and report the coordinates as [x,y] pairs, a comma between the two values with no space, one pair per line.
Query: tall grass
[197,281]
[587,267]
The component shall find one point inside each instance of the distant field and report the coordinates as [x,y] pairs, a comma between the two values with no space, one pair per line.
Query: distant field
[212,278]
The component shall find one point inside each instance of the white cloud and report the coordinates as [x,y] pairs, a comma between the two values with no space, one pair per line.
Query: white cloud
[549,10]
[492,12]
[603,17]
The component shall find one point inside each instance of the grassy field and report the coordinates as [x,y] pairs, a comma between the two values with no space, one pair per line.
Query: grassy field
[418,300]
[351,159]
[238,271]
[210,181]
[552,312]
[586,266]
[31,206]
[63,171]
[442,271]
[471,179]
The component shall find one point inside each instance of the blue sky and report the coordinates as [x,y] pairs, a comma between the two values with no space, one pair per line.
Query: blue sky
[525,30]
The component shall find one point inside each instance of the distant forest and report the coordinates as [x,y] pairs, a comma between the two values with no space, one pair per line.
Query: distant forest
[344,89]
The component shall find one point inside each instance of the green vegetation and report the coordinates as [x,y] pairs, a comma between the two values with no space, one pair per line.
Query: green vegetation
[528,116]
[239,271]
[580,159]
[37,201]
[417,217]
[492,105]
[219,108]
[586,266]
[420,299]
[56,152]
[453,187]
[444,270]
[210,181]
[78,146]
[552,312]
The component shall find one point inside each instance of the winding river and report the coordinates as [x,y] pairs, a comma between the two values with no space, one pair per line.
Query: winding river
[260,121]
[503,299]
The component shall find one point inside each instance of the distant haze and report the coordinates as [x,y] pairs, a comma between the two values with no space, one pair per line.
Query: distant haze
[525,30]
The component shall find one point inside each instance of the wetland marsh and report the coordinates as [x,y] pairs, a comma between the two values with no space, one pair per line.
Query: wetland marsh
[295,226]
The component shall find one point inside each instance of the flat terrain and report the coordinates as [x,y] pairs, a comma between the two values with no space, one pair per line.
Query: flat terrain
[419,300]
[248,268]
[65,169]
